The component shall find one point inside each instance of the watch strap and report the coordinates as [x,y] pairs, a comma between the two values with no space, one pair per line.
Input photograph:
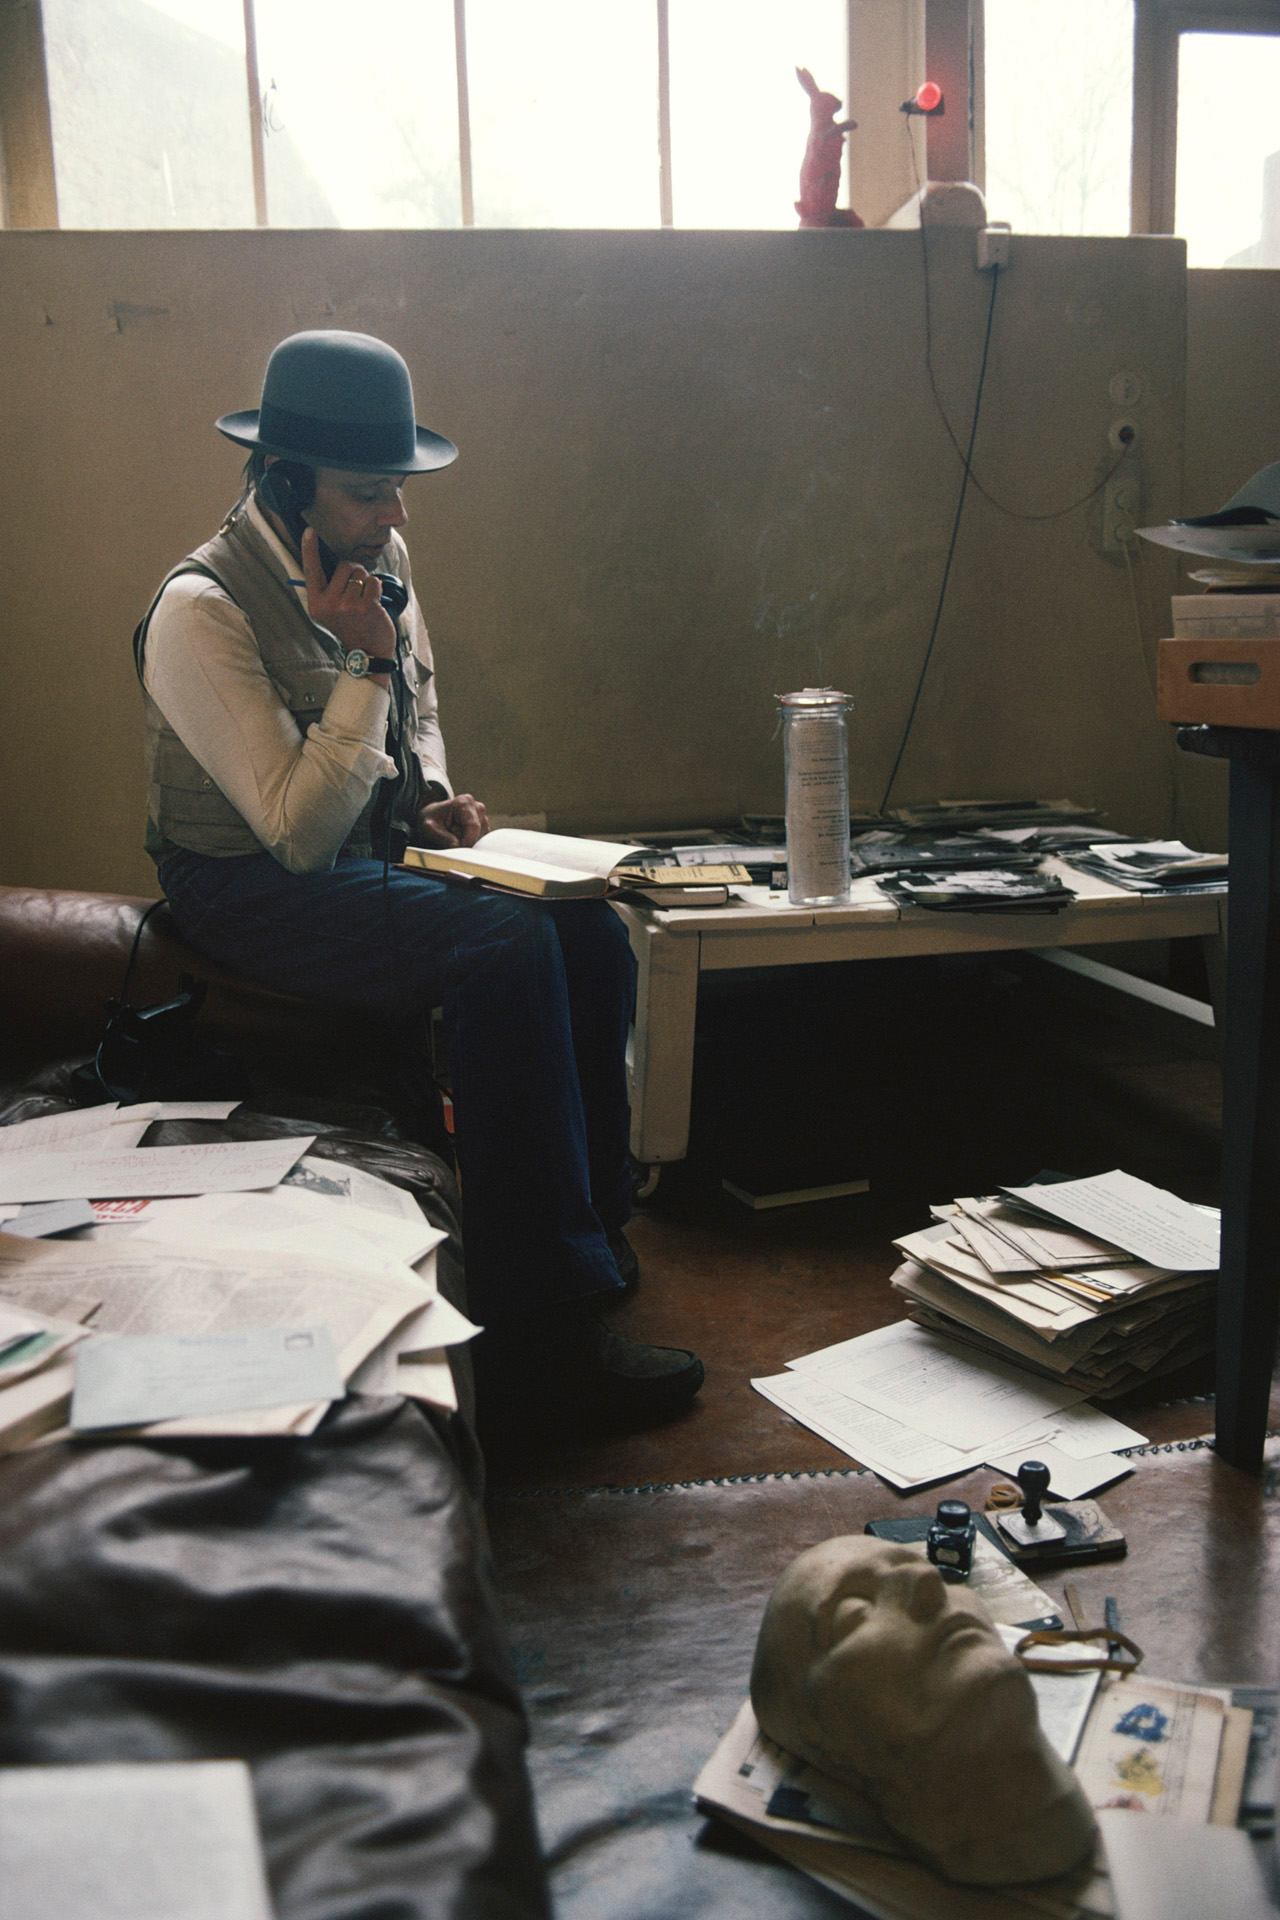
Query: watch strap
[360,664]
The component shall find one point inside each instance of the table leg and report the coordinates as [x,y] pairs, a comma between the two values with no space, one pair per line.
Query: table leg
[1249,1287]
[660,1060]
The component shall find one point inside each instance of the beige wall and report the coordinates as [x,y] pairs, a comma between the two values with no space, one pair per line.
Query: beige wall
[697,468]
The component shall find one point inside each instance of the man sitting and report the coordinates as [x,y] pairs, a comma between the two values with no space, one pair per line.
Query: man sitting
[293,749]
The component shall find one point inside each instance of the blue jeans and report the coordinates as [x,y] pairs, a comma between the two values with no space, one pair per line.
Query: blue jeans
[537,1000]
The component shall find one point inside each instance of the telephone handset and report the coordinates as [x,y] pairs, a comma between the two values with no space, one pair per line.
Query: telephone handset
[286,488]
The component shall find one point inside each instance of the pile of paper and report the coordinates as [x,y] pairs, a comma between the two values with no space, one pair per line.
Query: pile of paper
[232,1288]
[916,1408]
[1148,1748]
[1101,1284]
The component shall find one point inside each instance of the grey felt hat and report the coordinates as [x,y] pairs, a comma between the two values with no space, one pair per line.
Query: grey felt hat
[332,399]
[1245,532]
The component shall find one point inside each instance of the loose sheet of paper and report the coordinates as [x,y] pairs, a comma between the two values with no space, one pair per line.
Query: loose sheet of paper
[429,1377]
[147,1172]
[106,1129]
[1063,1699]
[1156,1226]
[196,1109]
[295,1218]
[1069,1479]
[153,1289]
[168,1841]
[938,1388]
[129,1380]
[45,1217]
[896,1452]
[1083,1432]
[1179,1870]
[1153,1748]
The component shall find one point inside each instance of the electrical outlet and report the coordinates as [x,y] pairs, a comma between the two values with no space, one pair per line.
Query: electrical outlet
[993,247]
[1125,388]
[1121,511]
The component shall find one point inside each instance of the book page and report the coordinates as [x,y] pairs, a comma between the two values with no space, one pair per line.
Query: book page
[598,857]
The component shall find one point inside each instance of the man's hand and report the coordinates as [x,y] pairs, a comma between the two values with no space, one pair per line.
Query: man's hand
[451,823]
[349,605]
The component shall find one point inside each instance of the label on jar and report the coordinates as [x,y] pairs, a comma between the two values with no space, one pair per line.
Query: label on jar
[817,810]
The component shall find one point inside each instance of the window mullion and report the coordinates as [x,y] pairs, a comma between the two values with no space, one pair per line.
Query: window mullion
[665,203]
[257,139]
[464,113]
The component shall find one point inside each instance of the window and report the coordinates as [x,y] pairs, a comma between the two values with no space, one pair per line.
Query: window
[434,113]
[739,120]
[1227,203]
[1059,110]
[149,113]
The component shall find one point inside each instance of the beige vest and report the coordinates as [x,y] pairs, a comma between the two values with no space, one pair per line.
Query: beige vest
[185,809]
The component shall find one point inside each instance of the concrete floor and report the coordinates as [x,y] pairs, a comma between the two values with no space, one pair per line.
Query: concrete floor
[998,1078]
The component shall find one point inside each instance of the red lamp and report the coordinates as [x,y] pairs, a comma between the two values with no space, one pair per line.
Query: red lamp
[927,99]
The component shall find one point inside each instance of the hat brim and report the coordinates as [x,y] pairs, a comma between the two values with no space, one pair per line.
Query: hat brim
[432,450]
[1247,546]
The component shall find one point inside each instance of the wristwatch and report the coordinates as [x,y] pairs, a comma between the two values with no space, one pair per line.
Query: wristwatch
[360,664]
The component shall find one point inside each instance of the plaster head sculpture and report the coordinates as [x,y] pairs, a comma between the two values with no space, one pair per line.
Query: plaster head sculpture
[876,1672]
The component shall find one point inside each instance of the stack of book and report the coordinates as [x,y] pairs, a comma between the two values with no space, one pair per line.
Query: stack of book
[1099,1284]
[1250,612]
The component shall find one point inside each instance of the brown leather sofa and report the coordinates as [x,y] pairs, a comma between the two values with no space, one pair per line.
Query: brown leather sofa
[322,1608]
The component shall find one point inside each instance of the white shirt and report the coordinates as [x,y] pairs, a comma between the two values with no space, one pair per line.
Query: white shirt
[300,795]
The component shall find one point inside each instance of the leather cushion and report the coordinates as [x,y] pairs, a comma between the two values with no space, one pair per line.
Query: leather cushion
[322,1608]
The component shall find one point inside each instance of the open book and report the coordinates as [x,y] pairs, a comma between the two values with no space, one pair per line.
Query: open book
[551,864]
[555,866]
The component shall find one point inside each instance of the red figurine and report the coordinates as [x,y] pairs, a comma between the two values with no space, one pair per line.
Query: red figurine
[820,168]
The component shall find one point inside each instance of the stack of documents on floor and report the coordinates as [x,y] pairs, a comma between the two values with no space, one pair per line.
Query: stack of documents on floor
[916,1408]
[1166,1752]
[1101,1284]
[233,1288]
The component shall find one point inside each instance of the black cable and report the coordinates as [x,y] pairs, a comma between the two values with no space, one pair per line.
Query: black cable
[133,951]
[955,532]
[1012,513]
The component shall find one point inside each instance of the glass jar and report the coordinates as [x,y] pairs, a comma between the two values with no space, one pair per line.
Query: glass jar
[815,747]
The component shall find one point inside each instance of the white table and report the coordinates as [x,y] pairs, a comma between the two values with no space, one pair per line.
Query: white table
[675,946]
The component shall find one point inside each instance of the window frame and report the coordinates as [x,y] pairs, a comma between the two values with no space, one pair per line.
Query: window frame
[28,186]
[1157,30]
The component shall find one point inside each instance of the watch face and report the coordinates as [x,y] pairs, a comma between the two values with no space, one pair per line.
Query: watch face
[357,662]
